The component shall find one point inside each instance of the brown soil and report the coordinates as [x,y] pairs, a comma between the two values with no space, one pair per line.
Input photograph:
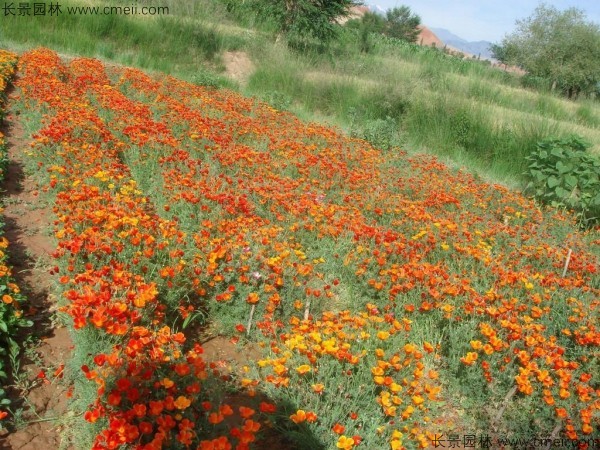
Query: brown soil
[27,225]
[238,66]
[234,356]
[428,38]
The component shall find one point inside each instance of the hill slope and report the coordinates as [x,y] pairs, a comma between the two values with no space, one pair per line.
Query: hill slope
[369,289]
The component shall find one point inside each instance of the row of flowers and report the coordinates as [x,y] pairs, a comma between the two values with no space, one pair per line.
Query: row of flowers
[153,389]
[11,313]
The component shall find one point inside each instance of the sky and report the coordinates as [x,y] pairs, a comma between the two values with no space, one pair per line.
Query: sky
[483,20]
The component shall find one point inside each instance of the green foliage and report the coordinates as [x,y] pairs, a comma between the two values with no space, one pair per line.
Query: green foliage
[381,133]
[209,79]
[279,100]
[402,24]
[561,173]
[399,23]
[11,315]
[304,23]
[561,47]
[369,24]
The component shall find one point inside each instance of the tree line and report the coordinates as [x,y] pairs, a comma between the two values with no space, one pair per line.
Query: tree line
[559,48]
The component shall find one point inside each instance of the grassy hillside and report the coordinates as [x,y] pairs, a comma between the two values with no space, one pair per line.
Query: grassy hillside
[397,94]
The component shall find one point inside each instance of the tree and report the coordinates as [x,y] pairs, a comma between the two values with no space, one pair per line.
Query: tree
[401,23]
[305,20]
[369,24]
[562,47]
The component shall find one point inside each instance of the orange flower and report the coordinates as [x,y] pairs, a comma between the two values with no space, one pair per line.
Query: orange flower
[311,417]
[410,348]
[246,412]
[167,383]
[252,298]
[267,407]
[338,428]
[562,413]
[407,412]
[182,402]
[215,418]
[318,388]
[469,359]
[299,416]
[251,426]
[226,410]
[476,345]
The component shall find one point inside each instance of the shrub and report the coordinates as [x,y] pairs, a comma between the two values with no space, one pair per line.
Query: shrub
[561,173]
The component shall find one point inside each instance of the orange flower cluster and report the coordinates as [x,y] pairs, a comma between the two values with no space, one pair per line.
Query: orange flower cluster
[114,253]
[353,345]
[172,197]
[438,241]
[8,63]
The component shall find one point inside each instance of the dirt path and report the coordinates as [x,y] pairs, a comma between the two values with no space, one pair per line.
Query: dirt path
[238,66]
[28,224]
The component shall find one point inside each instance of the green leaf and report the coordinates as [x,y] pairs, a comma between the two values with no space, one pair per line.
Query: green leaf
[561,193]
[563,168]
[553,182]
[571,181]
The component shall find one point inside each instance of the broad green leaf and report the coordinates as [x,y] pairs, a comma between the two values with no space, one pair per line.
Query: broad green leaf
[563,168]
[570,181]
[553,182]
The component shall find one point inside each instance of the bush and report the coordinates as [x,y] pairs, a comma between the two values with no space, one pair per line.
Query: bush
[561,173]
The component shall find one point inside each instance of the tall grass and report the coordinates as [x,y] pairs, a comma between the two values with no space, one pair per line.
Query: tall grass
[173,44]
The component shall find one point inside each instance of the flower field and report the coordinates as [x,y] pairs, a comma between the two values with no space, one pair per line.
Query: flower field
[394,300]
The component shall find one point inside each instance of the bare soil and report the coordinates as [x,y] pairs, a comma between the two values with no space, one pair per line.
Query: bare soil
[238,66]
[40,394]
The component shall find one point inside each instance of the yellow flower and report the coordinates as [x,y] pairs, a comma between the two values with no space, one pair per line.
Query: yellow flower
[305,368]
[383,335]
[345,443]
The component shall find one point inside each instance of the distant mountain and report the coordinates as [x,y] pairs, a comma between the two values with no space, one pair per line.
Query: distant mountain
[475,48]
[428,38]
[437,37]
